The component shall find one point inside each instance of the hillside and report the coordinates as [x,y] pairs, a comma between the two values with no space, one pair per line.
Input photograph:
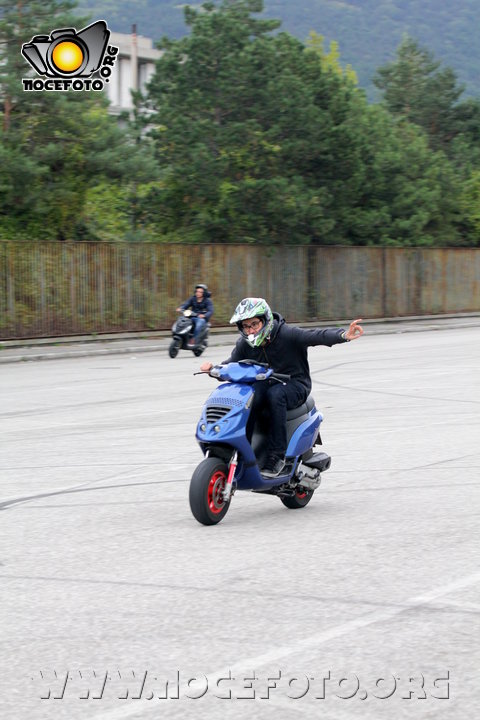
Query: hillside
[368,31]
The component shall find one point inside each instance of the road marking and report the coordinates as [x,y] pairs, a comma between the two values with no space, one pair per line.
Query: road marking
[313,641]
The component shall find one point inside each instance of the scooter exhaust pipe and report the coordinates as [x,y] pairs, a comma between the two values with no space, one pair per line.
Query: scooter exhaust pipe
[310,482]
[320,461]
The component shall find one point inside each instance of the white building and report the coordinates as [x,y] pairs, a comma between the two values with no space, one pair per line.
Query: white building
[133,69]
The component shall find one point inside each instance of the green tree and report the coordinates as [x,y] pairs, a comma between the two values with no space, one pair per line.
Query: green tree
[207,139]
[117,204]
[56,146]
[244,126]
[330,60]
[20,20]
[415,88]
[465,145]
[409,194]
[22,173]
[470,207]
[264,139]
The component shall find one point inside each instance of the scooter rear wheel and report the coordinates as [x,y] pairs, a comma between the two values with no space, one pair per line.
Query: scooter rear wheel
[301,498]
[206,491]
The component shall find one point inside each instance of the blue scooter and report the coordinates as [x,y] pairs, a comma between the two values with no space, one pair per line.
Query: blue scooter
[232,463]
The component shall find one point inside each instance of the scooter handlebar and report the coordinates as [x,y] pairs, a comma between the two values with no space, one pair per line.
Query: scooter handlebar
[218,372]
[280,376]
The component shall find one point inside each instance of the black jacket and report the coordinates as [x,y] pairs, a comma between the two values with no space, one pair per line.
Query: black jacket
[287,350]
[205,306]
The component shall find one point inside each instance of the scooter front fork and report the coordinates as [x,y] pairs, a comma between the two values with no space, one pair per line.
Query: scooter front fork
[231,472]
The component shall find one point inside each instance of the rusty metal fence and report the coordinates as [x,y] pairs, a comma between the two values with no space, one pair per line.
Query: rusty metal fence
[58,289]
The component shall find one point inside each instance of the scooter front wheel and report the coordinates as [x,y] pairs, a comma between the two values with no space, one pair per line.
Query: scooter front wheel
[301,498]
[174,348]
[206,491]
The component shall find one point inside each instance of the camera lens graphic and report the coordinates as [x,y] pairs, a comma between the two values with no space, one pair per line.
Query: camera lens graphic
[66,53]
[67,56]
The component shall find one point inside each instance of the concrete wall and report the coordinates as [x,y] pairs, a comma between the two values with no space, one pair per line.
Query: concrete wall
[54,289]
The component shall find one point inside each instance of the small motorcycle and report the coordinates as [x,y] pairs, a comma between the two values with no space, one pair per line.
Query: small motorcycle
[182,334]
[232,463]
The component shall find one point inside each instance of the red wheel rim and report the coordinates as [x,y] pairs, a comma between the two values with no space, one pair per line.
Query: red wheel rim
[215,490]
[301,494]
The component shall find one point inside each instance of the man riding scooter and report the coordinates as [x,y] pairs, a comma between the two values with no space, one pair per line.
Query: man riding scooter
[190,330]
[201,304]
[266,337]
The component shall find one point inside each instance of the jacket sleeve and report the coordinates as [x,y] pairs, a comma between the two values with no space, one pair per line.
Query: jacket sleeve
[188,303]
[309,337]
[209,312]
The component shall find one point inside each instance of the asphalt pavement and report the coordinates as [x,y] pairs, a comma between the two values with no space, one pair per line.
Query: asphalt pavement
[117,605]
[120,343]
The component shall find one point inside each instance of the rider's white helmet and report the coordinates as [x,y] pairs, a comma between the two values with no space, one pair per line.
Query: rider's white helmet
[250,308]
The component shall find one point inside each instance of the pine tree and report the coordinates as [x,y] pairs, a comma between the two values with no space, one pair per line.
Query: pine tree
[56,146]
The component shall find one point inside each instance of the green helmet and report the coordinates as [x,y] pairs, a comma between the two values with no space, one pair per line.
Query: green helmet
[250,308]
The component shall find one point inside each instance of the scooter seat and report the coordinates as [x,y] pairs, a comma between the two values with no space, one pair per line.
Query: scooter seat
[304,409]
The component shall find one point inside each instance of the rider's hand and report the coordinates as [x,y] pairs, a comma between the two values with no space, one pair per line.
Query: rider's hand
[206,366]
[354,331]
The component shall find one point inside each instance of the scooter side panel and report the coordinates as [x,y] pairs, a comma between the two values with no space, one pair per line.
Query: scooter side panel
[304,436]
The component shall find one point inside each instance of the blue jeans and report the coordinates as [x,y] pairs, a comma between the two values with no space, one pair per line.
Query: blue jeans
[198,325]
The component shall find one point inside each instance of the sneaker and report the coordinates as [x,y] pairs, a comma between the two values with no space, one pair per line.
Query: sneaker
[273,467]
